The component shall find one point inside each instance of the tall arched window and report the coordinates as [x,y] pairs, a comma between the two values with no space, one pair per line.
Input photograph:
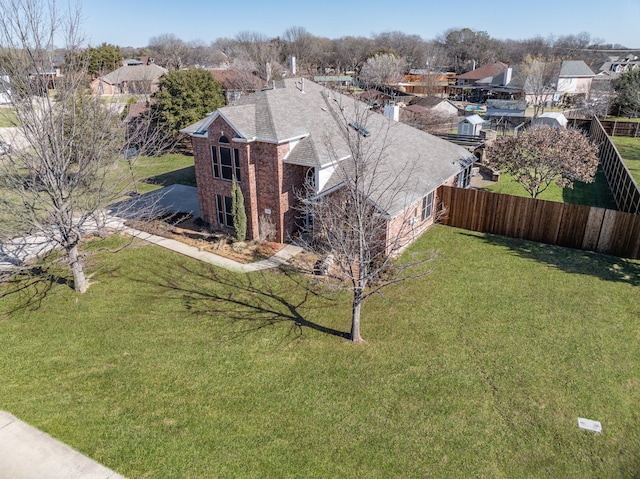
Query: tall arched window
[226,161]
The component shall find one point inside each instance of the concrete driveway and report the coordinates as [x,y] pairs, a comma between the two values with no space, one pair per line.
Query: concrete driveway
[171,199]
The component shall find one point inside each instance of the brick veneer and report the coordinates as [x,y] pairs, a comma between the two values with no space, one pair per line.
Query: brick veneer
[268,184]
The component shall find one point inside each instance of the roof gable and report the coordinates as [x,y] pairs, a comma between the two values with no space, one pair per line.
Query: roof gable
[486,71]
[575,68]
[134,73]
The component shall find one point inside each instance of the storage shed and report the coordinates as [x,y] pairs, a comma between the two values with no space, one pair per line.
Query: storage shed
[554,119]
[470,125]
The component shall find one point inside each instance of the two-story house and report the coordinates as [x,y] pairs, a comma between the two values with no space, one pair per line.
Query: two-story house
[279,140]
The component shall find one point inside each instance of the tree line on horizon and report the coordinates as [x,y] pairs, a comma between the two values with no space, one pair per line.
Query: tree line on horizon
[456,50]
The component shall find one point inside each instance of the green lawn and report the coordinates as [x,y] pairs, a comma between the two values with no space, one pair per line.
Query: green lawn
[8,118]
[629,149]
[622,118]
[169,368]
[590,194]
[157,172]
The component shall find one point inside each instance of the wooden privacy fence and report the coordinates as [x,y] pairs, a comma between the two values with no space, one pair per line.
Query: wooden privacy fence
[621,128]
[575,226]
[622,185]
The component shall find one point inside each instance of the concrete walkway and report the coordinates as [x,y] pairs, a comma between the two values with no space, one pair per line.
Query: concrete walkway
[28,453]
[281,257]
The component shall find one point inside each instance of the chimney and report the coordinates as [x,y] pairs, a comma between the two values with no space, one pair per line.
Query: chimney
[507,76]
[392,112]
[293,65]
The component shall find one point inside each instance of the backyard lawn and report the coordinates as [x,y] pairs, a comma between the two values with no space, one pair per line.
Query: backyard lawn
[629,149]
[169,368]
[590,194]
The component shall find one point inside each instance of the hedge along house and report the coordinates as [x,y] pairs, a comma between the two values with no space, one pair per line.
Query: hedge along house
[279,141]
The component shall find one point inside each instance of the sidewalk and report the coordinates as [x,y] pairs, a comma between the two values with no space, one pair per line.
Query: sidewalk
[20,250]
[28,453]
[281,257]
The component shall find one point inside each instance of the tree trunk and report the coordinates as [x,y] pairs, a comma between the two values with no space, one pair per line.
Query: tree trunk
[80,282]
[355,317]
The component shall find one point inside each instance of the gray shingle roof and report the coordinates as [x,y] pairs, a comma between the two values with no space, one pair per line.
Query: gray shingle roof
[575,68]
[134,73]
[318,117]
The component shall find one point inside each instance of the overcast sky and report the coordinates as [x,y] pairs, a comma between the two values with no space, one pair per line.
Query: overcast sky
[133,22]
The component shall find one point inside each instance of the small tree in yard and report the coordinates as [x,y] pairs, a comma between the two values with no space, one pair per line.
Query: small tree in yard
[58,186]
[350,226]
[238,212]
[184,97]
[543,155]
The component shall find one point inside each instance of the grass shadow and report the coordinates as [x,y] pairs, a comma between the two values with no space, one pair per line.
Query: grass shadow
[257,300]
[605,267]
[183,176]
[30,286]
[595,194]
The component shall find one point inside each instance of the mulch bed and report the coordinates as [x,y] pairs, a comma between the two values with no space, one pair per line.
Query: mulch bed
[191,231]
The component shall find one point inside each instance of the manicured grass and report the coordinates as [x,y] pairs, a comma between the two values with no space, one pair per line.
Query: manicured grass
[590,194]
[168,367]
[622,118]
[8,118]
[629,149]
[166,170]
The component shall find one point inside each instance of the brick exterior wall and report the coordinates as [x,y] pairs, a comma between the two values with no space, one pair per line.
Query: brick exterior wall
[404,229]
[269,186]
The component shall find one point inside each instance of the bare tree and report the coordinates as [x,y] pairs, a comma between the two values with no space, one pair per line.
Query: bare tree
[383,69]
[543,155]
[351,52]
[170,50]
[540,81]
[57,185]
[299,43]
[258,52]
[351,226]
[410,47]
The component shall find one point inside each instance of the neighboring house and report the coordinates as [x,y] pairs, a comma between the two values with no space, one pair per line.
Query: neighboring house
[375,98]
[574,80]
[538,83]
[436,105]
[236,83]
[616,65]
[276,141]
[134,79]
[482,75]
[545,82]
[432,114]
[423,82]
[473,85]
